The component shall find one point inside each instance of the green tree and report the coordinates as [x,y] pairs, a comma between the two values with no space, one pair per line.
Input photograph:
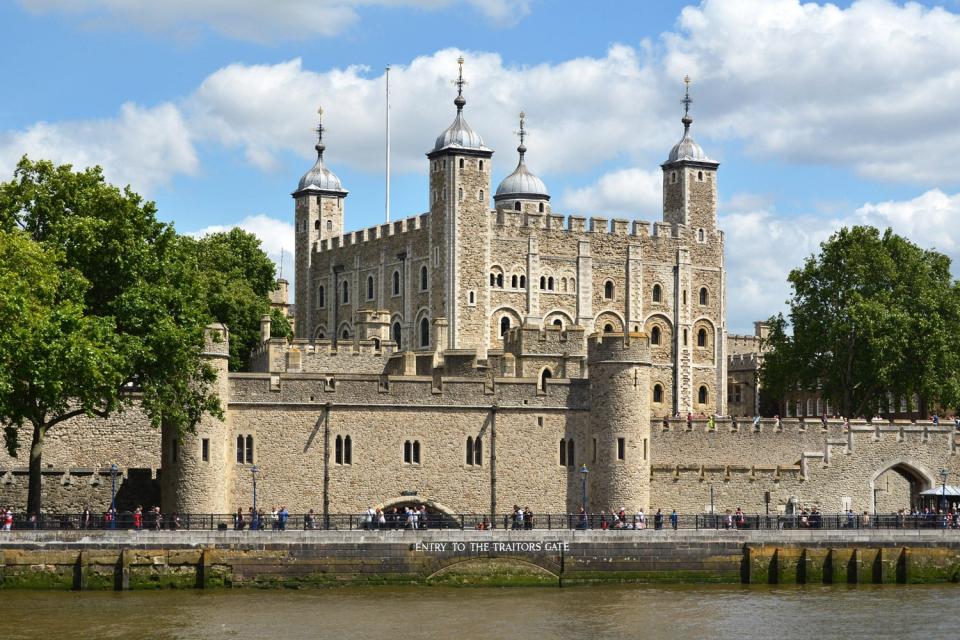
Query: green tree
[100,299]
[872,314]
[237,278]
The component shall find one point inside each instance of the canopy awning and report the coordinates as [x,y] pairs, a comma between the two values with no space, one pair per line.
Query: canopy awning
[949,490]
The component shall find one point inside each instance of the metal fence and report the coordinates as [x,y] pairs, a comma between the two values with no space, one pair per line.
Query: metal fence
[364,522]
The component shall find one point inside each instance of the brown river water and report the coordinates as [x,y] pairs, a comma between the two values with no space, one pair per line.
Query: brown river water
[778,613]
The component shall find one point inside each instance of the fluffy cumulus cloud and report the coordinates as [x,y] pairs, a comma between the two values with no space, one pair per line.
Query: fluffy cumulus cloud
[276,238]
[144,147]
[870,86]
[623,193]
[763,246]
[262,21]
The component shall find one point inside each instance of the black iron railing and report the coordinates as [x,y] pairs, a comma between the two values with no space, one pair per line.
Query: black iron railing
[363,522]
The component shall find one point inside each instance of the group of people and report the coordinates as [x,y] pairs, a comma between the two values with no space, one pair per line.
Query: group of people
[519,519]
[259,520]
[621,520]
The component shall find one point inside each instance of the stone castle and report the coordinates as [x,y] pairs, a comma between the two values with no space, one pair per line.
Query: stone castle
[472,358]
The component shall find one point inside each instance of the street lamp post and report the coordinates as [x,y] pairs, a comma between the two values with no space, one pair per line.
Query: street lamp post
[583,487]
[254,521]
[113,495]
[943,492]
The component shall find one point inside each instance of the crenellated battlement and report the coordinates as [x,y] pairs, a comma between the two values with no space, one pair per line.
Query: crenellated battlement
[370,234]
[551,339]
[628,347]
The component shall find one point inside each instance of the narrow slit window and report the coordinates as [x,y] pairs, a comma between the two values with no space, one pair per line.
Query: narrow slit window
[205,449]
[621,448]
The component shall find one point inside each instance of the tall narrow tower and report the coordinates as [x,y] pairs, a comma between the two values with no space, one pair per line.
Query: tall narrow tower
[319,215]
[459,234]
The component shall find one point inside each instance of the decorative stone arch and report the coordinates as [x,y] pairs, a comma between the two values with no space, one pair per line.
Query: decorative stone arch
[611,318]
[663,351]
[427,502]
[703,354]
[662,408]
[422,314]
[545,373]
[496,276]
[537,566]
[549,318]
[344,326]
[919,478]
[497,316]
[397,320]
[320,333]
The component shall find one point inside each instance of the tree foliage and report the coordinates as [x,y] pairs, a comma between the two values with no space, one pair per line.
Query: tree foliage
[872,315]
[99,298]
[237,278]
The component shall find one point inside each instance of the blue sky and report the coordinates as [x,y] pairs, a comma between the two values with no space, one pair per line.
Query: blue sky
[821,114]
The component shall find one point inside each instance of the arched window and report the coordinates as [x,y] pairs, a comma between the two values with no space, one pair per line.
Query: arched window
[423,278]
[570,457]
[516,206]
[523,282]
[704,296]
[702,396]
[321,297]
[316,225]
[469,450]
[702,338]
[573,284]
[249,449]
[541,207]
[416,452]
[655,335]
[347,451]
[701,235]
[608,328]
[376,343]
[239,449]
[407,452]
[461,163]
[396,283]
[345,334]
[480,197]
[563,284]
[369,287]
[478,451]
[493,279]
[700,175]
[424,332]
[684,296]
[504,325]
[513,282]
[557,322]
[346,292]
[460,194]
[657,393]
[481,165]
[608,290]
[563,452]
[543,283]
[329,225]
[500,280]
[338,450]
[546,375]
[396,333]
[550,283]
[657,293]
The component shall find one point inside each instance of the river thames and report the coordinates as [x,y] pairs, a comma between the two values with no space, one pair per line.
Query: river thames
[579,612]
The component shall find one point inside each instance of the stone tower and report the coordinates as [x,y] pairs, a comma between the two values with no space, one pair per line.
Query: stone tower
[460,231]
[196,467]
[690,200]
[319,215]
[619,372]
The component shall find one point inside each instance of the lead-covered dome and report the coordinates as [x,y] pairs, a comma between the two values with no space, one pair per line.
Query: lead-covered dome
[522,183]
[687,150]
[319,178]
[459,135]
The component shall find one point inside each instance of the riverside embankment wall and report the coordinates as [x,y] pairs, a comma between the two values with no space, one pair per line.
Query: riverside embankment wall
[148,560]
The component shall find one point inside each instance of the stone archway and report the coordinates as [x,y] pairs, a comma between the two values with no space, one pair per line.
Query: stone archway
[897,485]
[439,516]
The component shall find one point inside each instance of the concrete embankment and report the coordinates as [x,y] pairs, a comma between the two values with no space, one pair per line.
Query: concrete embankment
[148,560]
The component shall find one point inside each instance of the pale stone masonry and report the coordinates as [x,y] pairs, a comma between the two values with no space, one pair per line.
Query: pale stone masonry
[472,358]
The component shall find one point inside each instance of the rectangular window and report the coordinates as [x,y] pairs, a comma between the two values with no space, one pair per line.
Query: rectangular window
[407,452]
[205,449]
[644,448]
[594,457]
[539,421]
[621,448]
[416,452]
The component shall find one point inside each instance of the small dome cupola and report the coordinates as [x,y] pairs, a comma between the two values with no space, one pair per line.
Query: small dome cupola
[521,183]
[319,179]
[687,150]
[459,136]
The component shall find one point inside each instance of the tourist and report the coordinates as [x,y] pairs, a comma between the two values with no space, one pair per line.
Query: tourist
[309,521]
[381,519]
[85,518]
[674,519]
[138,518]
[8,519]
[603,520]
[728,520]
[368,518]
[282,518]
[640,520]
[658,520]
[174,521]
[583,518]
[157,518]
[739,518]
[528,519]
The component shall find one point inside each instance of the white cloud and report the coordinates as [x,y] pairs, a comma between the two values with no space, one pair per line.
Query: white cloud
[762,246]
[143,147]
[626,193]
[276,237]
[262,21]
[871,86]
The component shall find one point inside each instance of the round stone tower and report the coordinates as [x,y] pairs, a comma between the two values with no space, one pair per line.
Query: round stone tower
[195,467]
[619,373]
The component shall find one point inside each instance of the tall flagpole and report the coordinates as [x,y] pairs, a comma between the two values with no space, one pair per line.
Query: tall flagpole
[387,203]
